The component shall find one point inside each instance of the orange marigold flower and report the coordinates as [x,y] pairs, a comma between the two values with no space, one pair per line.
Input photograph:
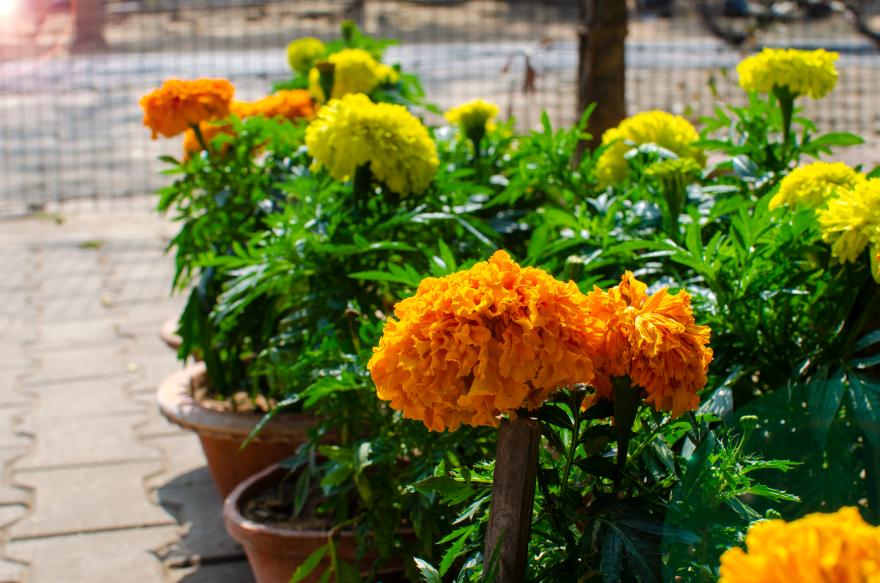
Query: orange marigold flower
[191,144]
[291,105]
[170,110]
[653,340]
[477,344]
[819,548]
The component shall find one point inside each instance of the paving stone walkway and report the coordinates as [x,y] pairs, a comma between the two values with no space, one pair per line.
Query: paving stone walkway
[96,486]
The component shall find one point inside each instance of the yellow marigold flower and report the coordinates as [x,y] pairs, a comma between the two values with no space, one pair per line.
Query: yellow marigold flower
[170,110]
[472,116]
[354,131]
[354,71]
[477,344]
[852,220]
[303,52]
[664,129]
[290,105]
[803,72]
[814,184]
[653,340]
[819,548]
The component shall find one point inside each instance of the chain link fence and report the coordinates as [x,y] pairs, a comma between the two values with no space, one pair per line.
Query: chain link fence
[70,124]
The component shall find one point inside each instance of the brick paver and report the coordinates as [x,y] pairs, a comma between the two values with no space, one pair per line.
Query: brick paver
[95,485]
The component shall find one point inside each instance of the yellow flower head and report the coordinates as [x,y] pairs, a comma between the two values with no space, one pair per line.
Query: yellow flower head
[303,52]
[803,72]
[170,110]
[472,116]
[354,131]
[654,340]
[814,184]
[819,548]
[354,71]
[664,129]
[480,343]
[852,220]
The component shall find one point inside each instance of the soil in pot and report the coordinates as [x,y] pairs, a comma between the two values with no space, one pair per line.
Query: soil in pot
[258,516]
[274,506]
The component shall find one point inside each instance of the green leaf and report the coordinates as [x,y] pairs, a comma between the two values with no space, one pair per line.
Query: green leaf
[347,573]
[866,361]
[598,466]
[696,467]
[384,276]
[866,341]
[553,415]
[454,550]
[838,139]
[865,395]
[429,573]
[301,493]
[337,476]
[447,256]
[309,565]
[612,557]
[824,401]
[643,556]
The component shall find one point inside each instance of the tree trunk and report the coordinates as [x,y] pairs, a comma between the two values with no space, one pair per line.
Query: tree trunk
[602,70]
[89,26]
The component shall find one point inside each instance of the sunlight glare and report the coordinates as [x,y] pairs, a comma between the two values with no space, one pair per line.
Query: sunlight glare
[8,6]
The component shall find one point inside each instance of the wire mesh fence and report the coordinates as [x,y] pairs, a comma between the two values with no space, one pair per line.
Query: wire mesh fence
[70,124]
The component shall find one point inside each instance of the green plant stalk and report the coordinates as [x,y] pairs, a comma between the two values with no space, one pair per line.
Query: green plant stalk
[626,405]
[476,135]
[198,132]
[786,104]
[572,449]
[363,178]
[674,193]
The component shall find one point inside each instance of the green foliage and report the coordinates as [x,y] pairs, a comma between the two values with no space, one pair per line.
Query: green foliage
[660,516]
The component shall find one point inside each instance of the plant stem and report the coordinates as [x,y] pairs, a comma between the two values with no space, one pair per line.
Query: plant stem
[198,132]
[786,104]
[363,179]
[626,405]
[575,411]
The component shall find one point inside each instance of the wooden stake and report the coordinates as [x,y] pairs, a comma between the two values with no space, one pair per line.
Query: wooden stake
[513,496]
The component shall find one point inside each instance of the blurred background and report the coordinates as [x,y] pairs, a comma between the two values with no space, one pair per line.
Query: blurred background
[72,71]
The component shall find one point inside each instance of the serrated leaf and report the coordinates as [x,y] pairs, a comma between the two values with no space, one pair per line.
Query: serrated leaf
[429,573]
[454,550]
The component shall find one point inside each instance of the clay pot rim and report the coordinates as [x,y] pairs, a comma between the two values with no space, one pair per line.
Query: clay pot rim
[237,523]
[247,532]
[177,404]
[168,333]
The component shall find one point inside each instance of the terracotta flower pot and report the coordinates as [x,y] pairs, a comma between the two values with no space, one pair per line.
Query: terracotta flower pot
[223,432]
[275,553]
[168,333]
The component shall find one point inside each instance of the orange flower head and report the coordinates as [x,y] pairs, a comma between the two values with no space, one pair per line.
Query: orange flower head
[477,344]
[818,548]
[290,105]
[170,110]
[652,339]
[191,144]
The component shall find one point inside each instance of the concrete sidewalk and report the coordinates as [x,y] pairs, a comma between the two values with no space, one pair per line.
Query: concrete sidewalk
[96,486]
